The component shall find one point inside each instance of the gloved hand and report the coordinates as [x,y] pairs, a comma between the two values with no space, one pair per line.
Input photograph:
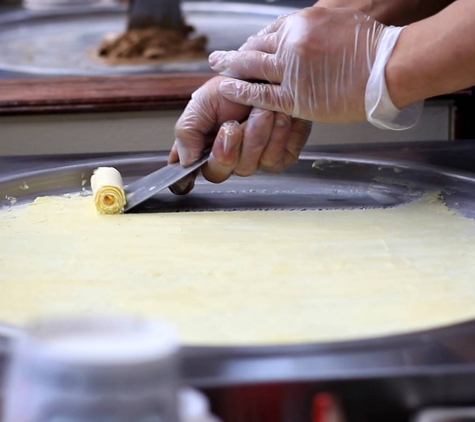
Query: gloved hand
[318,62]
[265,139]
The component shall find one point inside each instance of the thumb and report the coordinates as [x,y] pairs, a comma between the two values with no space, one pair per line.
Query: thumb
[190,130]
[266,96]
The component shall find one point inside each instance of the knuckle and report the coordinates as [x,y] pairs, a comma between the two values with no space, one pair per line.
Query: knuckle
[180,132]
[309,42]
[282,121]
[306,46]
[204,96]
[217,166]
[261,116]
[215,177]
[274,169]
[269,39]
[314,12]
[269,67]
[306,13]
[196,115]
[251,38]
[293,157]
[225,162]
[259,130]
[290,159]
[272,164]
[247,61]
[269,165]
[244,171]
[197,97]
[186,124]
[256,142]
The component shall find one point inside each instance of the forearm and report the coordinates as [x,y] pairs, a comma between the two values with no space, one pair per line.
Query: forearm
[435,56]
[392,12]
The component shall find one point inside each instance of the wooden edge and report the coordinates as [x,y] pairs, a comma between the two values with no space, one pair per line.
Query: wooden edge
[106,94]
[96,94]
[92,108]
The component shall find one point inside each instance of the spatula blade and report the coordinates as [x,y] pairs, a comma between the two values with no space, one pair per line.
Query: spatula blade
[148,186]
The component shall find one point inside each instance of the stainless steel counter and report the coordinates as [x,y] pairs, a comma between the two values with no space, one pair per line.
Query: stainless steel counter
[379,379]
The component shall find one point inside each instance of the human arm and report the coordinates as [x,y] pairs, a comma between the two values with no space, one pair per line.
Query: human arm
[435,56]
[391,12]
[319,62]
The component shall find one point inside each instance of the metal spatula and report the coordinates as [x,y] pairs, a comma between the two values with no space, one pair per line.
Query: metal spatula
[162,13]
[143,189]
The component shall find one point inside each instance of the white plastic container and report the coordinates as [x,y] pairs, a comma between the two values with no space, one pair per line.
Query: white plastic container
[96,369]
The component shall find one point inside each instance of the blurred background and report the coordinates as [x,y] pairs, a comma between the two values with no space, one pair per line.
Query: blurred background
[56,40]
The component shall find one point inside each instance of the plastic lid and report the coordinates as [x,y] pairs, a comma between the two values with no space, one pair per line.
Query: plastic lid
[102,341]
[193,406]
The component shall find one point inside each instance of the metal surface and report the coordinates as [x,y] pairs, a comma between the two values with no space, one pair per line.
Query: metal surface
[148,186]
[65,43]
[384,379]
[346,182]
[338,182]
[447,415]
[162,13]
[300,187]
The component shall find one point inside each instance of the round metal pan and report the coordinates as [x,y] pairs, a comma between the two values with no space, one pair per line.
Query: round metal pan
[333,182]
[65,42]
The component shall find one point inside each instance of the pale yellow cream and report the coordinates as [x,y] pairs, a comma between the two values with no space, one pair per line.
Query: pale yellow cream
[242,277]
[108,190]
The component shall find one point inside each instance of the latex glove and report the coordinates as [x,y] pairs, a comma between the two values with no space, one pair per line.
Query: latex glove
[265,139]
[318,62]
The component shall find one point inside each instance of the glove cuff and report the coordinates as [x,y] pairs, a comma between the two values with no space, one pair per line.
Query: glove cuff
[380,110]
